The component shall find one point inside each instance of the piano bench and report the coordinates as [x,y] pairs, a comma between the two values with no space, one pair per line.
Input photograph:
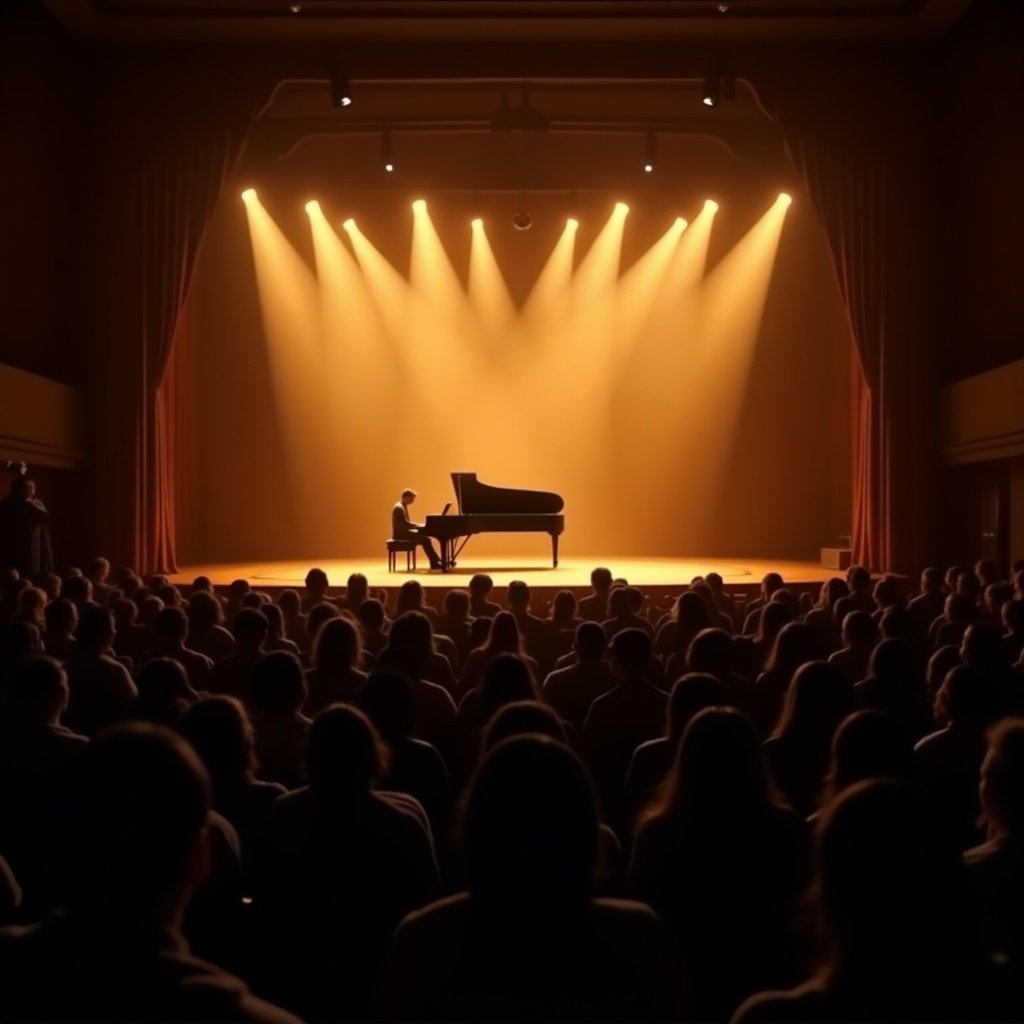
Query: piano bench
[409,547]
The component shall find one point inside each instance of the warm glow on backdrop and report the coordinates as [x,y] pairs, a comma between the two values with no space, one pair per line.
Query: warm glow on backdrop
[590,389]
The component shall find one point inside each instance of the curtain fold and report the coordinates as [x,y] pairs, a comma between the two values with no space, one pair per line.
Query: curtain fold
[153,222]
[856,148]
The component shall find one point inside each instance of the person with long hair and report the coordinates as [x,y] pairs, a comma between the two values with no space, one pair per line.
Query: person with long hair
[798,752]
[723,863]
[822,616]
[527,941]
[652,761]
[409,650]
[221,733]
[503,637]
[690,616]
[895,941]
[336,675]
[867,745]
[795,645]
[206,630]
[754,650]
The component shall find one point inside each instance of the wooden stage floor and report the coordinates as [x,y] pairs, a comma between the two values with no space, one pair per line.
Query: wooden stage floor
[572,573]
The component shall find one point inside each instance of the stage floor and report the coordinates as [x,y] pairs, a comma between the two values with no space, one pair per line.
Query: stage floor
[571,573]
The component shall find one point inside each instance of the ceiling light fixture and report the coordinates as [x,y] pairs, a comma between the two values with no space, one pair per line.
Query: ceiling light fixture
[341,89]
[650,152]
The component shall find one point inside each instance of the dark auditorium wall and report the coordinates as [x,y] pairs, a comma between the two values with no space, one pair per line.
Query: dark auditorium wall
[44,327]
[980,155]
[43,172]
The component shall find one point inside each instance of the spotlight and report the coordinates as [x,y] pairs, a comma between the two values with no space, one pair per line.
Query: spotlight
[650,152]
[572,223]
[386,155]
[419,206]
[295,7]
[476,223]
[710,206]
[341,89]
[717,87]
[248,195]
[348,224]
[784,199]
[621,208]
[312,206]
[711,94]
[522,221]
[681,223]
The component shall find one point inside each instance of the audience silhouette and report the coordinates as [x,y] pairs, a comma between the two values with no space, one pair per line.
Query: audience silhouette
[369,804]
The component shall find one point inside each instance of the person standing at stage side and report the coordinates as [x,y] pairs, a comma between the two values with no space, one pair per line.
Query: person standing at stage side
[25,530]
[403,528]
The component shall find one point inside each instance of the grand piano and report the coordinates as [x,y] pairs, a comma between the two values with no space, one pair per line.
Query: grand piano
[486,509]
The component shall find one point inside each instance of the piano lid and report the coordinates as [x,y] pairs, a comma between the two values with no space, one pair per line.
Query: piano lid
[476,498]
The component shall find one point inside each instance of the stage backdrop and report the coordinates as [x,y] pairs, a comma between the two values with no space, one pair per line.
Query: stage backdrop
[686,391]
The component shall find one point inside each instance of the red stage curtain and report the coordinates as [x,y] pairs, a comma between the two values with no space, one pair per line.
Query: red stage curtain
[172,144]
[858,149]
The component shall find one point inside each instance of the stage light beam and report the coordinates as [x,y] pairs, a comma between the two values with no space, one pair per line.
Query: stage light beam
[312,207]
[248,195]
[784,200]
[711,206]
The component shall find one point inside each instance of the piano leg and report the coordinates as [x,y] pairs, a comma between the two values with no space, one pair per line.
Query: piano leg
[554,550]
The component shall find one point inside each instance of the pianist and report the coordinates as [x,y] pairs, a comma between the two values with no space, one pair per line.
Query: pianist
[402,528]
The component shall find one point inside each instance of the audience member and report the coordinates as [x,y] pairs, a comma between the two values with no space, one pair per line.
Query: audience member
[949,761]
[221,733]
[571,690]
[859,636]
[723,864]
[232,674]
[170,629]
[164,693]
[531,628]
[350,862]
[818,699]
[867,745]
[995,869]
[896,942]
[294,621]
[317,588]
[61,624]
[336,676]
[795,645]
[651,761]
[277,692]
[101,689]
[632,712]
[136,848]
[410,650]
[594,606]
[527,942]
[480,586]
[893,685]
[770,583]
[413,766]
